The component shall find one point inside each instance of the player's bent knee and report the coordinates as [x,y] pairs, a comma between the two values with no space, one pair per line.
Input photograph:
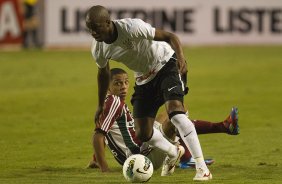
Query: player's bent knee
[144,136]
[170,115]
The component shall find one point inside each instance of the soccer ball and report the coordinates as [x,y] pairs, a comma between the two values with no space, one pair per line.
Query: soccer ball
[137,168]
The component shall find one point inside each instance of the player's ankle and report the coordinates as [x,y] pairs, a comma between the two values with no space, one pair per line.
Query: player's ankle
[200,163]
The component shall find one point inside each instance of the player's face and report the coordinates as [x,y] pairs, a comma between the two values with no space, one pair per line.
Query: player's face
[119,85]
[99,29]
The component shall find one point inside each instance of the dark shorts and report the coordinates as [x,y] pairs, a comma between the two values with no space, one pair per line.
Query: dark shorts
[167,85]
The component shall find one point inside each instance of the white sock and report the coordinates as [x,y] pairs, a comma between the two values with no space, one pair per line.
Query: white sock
[160,128]
[189,136]
[158,141]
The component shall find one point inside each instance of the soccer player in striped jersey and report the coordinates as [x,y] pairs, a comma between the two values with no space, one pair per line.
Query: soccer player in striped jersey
[116,129]
[116,126]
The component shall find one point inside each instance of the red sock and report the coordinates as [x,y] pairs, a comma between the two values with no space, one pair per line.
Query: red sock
[206,127]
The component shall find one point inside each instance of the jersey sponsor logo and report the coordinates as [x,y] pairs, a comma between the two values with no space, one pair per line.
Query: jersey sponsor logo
[146,76]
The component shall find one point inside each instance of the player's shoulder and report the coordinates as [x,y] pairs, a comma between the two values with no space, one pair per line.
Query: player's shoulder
[128,22]
[113,102]
[112,99]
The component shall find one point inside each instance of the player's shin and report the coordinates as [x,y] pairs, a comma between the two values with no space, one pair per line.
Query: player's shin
[189,135]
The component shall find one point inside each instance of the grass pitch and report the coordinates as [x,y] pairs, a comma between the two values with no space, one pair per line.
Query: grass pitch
[48,99]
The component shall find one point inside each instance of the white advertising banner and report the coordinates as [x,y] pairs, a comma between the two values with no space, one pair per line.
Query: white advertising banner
[196,22]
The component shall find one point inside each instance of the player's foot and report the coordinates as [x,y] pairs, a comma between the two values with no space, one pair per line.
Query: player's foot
[192,164]
[92,164]
[202,175]
[231,122]
[169,163]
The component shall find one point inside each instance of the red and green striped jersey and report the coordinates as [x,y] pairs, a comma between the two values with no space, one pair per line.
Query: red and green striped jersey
[118,125]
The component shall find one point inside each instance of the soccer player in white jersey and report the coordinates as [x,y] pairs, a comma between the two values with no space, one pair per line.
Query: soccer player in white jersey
[116,129]
[157,58]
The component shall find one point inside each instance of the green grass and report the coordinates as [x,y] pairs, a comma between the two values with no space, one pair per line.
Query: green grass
[48,99]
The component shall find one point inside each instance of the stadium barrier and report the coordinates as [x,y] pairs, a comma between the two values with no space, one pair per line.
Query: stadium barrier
[196,22]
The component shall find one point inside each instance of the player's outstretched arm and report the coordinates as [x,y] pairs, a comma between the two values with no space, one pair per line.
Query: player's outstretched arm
[99,147]
[103,79]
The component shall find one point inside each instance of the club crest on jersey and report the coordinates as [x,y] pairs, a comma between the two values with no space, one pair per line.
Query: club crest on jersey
[128,44]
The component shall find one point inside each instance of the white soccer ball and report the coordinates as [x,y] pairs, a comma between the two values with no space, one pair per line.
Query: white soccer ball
[137,168]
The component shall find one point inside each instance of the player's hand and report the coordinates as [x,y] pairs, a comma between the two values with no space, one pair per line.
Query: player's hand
[92,165]
[98,114]
[105,169]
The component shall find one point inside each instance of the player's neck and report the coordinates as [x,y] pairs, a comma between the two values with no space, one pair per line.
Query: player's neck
[113,34]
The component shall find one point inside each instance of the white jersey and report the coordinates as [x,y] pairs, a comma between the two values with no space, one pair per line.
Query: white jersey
[135,48]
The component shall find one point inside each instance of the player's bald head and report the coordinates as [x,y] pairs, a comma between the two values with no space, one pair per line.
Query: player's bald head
[97,14]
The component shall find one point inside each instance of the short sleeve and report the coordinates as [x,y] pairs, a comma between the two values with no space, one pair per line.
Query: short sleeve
[97,54]
[112,110]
